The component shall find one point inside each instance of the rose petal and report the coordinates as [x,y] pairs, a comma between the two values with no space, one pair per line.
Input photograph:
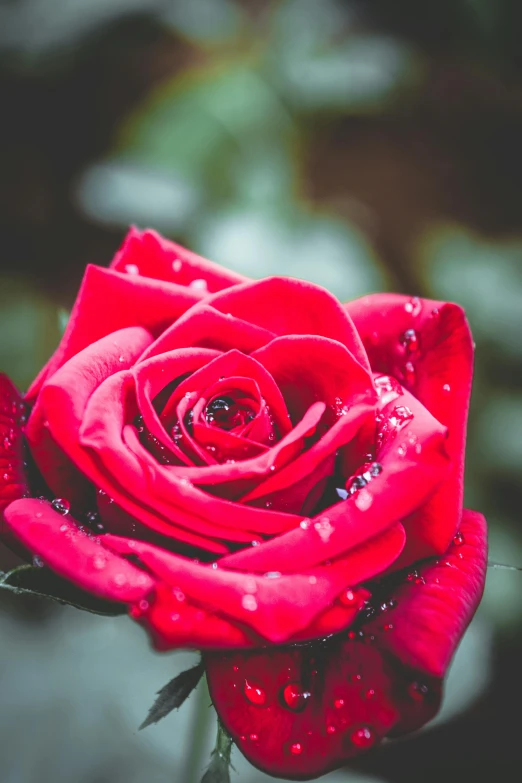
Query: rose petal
[440,377]
[406,481]
[13,481]
[151,255]
[275,607]
[431,616]
[109,301]
[286,306]
[74,554]
[204,327]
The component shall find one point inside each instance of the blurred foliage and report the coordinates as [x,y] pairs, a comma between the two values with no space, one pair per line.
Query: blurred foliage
[361,144]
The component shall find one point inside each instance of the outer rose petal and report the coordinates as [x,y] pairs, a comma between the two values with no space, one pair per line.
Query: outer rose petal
[109,301]
[362,686]
[49,431]
[441,359]
[273,607]
[13,482]
[151,255]
[73,554]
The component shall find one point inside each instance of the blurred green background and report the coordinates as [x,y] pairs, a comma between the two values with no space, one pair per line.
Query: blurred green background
[362,144]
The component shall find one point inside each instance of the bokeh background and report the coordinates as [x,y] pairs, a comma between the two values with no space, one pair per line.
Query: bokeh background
[362,144]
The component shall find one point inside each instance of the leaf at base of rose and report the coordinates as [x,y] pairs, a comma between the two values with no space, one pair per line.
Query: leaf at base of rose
[40,581]
[174,694]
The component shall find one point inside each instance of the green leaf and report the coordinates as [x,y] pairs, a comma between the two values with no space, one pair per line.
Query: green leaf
[173,694]
[30,580]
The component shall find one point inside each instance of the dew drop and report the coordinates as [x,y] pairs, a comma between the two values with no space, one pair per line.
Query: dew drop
[178,594]
[61,505]
[363,500]
[387,627]
[296,748]
[348,597]
[330,729]
[458,539]
[249,603]
[38,562]
[417,691]
[199,284]
[254,694]
[131,269]
[339,704]
[324,529]
[410,341]
[272,575]
[119,579]
[413,306]
[370,693]
[99,563]
[64,528]
[363,737]
[253,737]
[446,388]
[409,374]
[295,697]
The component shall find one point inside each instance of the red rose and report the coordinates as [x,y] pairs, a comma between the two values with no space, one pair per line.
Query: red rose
[249,464]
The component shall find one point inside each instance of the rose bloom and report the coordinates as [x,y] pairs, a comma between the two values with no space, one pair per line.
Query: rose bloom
[264,474]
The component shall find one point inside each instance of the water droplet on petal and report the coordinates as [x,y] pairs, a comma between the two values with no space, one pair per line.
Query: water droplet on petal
[363,737]
[446,388]
[363,500]
[119,579]
[61,505]
[330,729]
[38,562]
[414,306]
[199,284]
[249,603]
[339,704]
[458,539]
[272,574]
[348,597]
[253,737]
[296,748]
[295,697]
[418,691]
[304,524]
[99,562]
[324,529]
[410,341]
[254,694]
[131,269]
[370,693]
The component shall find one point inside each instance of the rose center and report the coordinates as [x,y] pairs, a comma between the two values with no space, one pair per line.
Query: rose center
[227,414]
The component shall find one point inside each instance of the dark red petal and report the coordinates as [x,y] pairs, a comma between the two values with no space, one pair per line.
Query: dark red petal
[151,255]
[316,706]
[13,482]
[441,358]
[109,301]
[383,680]
[434,609]
[73,554]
